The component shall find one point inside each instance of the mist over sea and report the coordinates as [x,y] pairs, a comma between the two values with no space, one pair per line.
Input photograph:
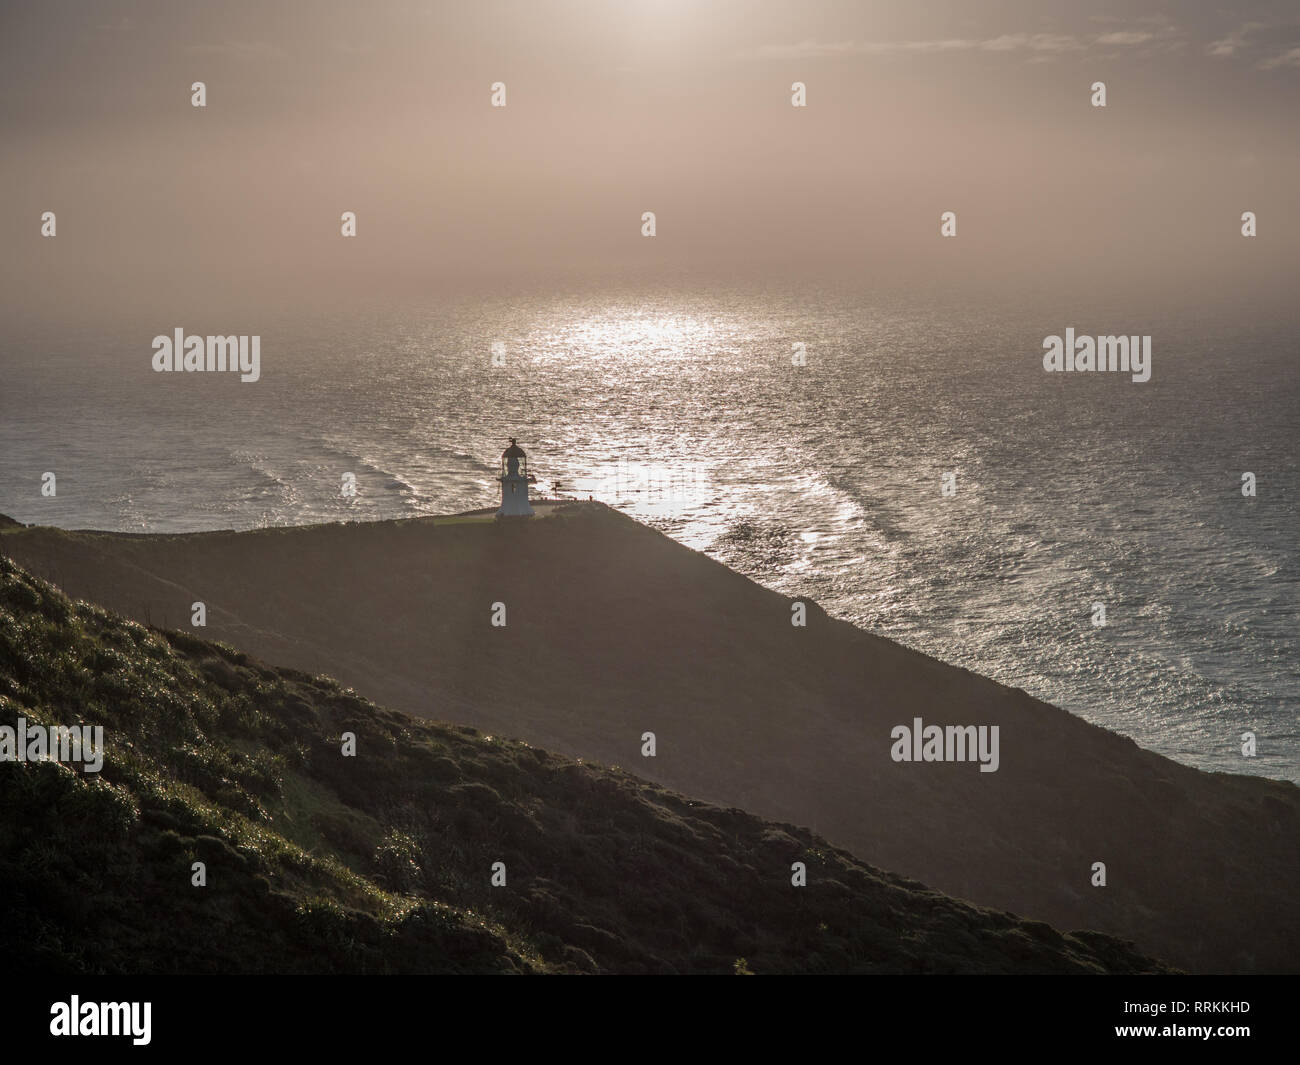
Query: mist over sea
[681,406]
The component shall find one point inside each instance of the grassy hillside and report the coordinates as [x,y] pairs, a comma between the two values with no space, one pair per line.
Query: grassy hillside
[613,630]
[381,862]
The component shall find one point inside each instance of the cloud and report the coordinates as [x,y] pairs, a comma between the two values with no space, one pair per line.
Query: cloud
[1126,37]
[1234,41]
[244,51]
[1035,42]
[1039,46]
[1244,40]
[1286,59]
[820,50]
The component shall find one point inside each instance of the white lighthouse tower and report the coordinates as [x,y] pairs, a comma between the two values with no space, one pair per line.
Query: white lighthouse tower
[515,480]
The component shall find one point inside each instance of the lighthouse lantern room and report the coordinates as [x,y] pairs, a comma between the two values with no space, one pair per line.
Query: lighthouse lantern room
[515,480]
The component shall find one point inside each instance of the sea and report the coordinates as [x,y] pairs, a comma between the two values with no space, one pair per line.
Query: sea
[904,459]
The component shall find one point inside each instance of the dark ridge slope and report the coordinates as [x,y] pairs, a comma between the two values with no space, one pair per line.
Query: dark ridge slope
[382,862]
[614,630]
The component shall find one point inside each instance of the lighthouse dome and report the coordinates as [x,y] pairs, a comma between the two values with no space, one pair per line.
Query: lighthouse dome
[514,462]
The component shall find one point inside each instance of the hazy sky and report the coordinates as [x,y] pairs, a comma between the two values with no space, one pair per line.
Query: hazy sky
[617,108]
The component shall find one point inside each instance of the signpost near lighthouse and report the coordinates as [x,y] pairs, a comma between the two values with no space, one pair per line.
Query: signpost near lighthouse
[515,480]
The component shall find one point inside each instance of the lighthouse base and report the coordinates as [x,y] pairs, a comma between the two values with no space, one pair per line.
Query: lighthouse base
[514,498]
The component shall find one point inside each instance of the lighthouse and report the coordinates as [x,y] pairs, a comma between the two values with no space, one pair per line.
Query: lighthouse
[515,480]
